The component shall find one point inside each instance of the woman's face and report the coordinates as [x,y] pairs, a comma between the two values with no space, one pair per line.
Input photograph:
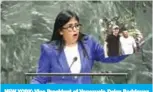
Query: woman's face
[70,31]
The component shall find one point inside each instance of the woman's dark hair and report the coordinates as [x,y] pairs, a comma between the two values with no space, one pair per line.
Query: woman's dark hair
[62,18]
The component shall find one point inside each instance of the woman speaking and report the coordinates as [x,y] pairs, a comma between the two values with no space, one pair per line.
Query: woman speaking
[69,51]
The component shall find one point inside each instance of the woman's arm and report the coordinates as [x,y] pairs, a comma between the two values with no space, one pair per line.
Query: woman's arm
[43,67]
[98,54]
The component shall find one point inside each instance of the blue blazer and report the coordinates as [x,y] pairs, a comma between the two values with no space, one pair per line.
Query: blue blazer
[53,61]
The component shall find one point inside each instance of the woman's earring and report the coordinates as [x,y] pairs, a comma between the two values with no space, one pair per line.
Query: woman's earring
[61,33]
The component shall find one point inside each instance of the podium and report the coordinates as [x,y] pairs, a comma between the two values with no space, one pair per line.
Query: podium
[76,74]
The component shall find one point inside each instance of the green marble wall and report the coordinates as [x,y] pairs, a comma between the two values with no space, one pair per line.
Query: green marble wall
[27,24]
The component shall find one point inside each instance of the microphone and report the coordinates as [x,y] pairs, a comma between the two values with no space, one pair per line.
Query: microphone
[74,60]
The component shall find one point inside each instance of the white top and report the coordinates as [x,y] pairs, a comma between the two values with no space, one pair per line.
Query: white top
[127,45]
[71,53]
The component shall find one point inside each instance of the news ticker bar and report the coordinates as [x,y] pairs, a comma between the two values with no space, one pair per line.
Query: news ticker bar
[76,88]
